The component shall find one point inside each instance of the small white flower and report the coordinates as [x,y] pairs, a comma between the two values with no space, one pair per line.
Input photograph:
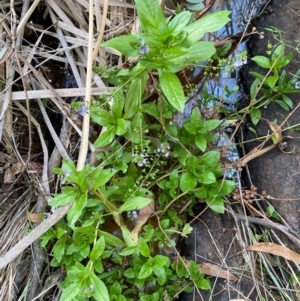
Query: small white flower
[297,85]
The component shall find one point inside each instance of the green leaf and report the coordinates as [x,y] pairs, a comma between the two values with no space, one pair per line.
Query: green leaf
[203,284]
[262,61]
[127,45]
[216,205]
[121,126]
[198,52]
[106,137]
[210,158]
[278,52]
[77,208]
[59,248]
[102,117]
[152,18]
[207,177]
[255,115]
[128,251]
[118,104]
[134,96]
[210,125]
[112,240]
[271,81]
[162,260]
[226,187]
[70,292]
[187,182]
[288,101]
[143,247]
[201,142]
[100,292]
[67,196]
[187,229]
[135,203]
[254,88]
[173,90]
[179,22]
[145,271]
[98,249]
[209,23]
[101,176]
[284,61]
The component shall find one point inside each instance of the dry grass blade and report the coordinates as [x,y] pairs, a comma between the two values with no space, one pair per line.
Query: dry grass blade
[271,248]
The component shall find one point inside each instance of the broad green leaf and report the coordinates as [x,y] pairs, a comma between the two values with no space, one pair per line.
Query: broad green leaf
[118,104]
[100,292]
[98,249]
[210,158]
[216,205]
[187,182]
[160,63]
[209,23]
[143,247]
[101,176]
[77,208]
[173,90]
[179,22]
[134,96]
[152,18]
[278,52]
[207,177]
[262,61]
[227,187]
[67,196]
[127,45]
[135,203]
[160,272]
[162,260]
[210,125]
[115,289]
[59,248]
[198,52]
[271,81]
[145,271]
[111,239]
[69,170]
[201,142]
[283,61]
[190,127]
[255,115]
[70,292]
[129,273]
[121,126]
[128,251]
[151,109]
[196,117]
[106,137]
[103,117]
[203,284]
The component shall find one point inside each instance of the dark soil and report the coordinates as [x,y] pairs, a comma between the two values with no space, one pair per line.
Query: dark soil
[276,172]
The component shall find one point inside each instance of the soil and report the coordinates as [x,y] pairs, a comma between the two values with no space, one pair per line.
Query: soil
[276,172]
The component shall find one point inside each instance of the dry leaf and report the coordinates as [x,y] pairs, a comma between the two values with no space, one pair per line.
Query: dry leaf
[34,217]
[268,247]
[9,176]
[276,130]
[142,218]
[214,270]
[17,168]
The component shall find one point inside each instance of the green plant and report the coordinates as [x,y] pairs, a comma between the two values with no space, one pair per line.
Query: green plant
[124,221]
[275,85]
